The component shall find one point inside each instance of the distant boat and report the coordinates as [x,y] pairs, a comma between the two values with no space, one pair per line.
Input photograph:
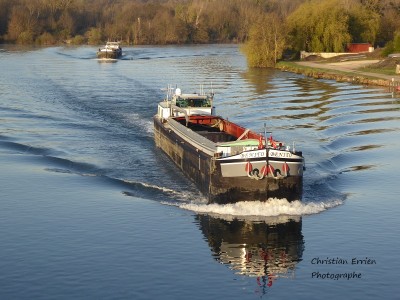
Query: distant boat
[112,50]
[227,162]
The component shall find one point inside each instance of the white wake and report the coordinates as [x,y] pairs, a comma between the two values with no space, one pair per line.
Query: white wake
[271,208]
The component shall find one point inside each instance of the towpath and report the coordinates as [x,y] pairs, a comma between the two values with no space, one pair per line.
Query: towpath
[351,67]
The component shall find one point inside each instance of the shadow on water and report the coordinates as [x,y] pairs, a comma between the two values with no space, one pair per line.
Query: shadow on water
[265,250]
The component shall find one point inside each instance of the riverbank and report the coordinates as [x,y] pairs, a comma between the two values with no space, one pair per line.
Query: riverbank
[343,71]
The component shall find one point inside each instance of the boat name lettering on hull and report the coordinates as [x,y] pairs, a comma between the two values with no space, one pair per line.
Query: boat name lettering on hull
[253,154]
[273,153]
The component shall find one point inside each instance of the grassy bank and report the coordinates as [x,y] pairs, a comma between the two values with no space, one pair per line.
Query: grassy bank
[358,77]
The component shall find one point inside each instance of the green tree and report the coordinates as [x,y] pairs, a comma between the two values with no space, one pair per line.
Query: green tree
[393,46]
[94,36]
[266,41]
[78,40]
[22,25]
[318,26]
[46,39]
[364,23]
[389,23]
[5,8]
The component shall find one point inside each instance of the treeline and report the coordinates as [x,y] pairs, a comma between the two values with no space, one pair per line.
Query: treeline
[133,21]
[324,26]
[266,27]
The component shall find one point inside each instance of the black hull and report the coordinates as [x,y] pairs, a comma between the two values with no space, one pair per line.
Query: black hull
[234,189]
[109,55]
[205,172]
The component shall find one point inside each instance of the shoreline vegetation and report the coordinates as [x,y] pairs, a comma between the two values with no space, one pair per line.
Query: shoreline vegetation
[351,75]
[133,22]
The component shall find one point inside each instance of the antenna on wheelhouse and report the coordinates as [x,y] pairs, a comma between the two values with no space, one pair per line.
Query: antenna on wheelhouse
[169,88]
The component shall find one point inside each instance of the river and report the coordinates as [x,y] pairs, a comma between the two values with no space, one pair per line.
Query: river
[91,209]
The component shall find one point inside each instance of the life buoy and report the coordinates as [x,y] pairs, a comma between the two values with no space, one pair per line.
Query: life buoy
[264,171]
[255,173]
[271,170]
[249,168]
[285,169]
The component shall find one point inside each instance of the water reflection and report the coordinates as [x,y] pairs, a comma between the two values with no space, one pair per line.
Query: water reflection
[259,78]
[107,60]
[266,250]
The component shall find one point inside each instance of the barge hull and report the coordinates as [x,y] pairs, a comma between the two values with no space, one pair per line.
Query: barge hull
[108,55]
[234,189]
[205,171]
[194,164]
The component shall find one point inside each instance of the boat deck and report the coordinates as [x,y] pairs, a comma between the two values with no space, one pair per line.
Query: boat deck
[213,134]
[217,137]
[201,141]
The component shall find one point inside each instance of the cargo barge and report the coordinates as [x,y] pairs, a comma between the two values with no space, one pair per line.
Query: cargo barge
[227,162]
